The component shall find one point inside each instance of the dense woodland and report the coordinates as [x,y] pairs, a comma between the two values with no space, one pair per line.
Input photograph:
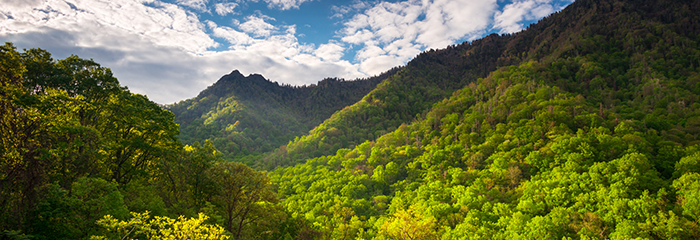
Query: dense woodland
[591,134]
[83,157]
[584,126]
[247,116]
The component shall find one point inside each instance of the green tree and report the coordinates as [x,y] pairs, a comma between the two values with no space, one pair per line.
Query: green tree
[409,224]
[183,182]
[142,226]
[71,215]
[688,187]
[243,196]
[137,135]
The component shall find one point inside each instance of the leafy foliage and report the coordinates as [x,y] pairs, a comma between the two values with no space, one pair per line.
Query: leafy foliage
[583,126]
[161,228]
[76,146]
[580,140]
[585,29]
[247,116]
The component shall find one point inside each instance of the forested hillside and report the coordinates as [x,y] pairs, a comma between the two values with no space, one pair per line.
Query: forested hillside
[591,133]
[428,78]
[247,116]
[434,75]
[586,125]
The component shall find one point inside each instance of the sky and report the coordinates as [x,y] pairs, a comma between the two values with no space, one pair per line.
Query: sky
[170,50]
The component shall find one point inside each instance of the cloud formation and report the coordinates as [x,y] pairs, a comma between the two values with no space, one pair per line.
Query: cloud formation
[285,4]
[199,5]
[171,51]
[343,10]
[162,49]
[390,34]
[511,18]
[224,9]
[257,26]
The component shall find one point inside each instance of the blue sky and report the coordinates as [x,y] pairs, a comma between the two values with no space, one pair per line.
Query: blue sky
[170,50]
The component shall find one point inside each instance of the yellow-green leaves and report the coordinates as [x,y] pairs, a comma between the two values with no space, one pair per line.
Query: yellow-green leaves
[142,226]
[409,224]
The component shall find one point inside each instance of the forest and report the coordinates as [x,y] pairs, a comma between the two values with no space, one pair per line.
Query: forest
[84,158]
[586,125]
[247,116]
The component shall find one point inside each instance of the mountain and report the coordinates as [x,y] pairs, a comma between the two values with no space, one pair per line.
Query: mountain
[586,125]
[399,99]
[586,128]
[245,116]
[434,75]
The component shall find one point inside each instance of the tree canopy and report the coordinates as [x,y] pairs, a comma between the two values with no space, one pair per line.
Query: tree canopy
[584,126]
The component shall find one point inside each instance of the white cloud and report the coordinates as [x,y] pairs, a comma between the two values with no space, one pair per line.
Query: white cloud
[342,11]
[199,5]
[224,9]
[369,52]
[393,33]
[235,38]
[167,52]
[447,21]
[161,49]
[285,4]
[330,51]
[380,63]
[18,5]
[359,37]
[165,24]
[542,11]
[257,26]
[167,74]
[511,18]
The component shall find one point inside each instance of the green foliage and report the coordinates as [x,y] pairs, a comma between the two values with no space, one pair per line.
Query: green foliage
[247,116]
[688,194]
[76,146]
[243,196]
[141,226]
[141,133]
[400,98]
[408,224]
[187,189]
[64,215]
[50,133]
[573,142]
[584,126]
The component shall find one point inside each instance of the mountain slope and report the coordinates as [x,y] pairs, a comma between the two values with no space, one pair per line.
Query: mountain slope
[591,134]
[430,77]
[433,75]
[245,116]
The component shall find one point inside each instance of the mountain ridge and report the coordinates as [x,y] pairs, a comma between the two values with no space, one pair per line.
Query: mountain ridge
[247,115]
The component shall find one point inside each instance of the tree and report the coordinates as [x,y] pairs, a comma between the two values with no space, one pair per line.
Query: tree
[242,194]
[70,215]
[410,224]
[688,187]
[61,121]
[141,226]
[184,183]
[137,134]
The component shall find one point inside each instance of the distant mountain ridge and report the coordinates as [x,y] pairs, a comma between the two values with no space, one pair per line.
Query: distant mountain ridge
[248,115]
